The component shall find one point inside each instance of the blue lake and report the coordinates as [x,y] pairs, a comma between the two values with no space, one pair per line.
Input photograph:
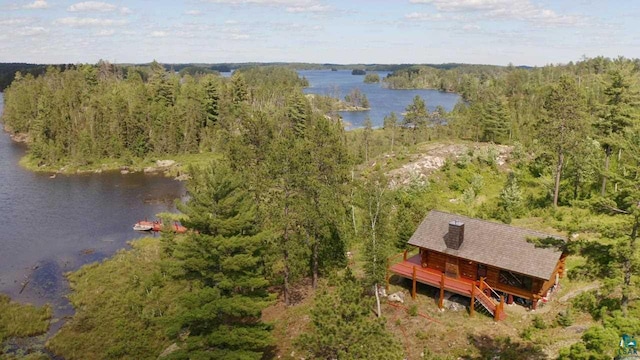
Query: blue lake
[383,101]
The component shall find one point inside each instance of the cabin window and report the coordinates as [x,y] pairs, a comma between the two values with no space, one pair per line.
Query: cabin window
[514,280]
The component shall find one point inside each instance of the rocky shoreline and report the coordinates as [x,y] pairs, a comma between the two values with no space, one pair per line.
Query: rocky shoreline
[168,167]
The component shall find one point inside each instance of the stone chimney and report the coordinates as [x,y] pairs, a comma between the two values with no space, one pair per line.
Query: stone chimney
[456,235]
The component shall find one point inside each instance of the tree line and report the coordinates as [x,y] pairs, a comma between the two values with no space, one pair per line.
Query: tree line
[293,191]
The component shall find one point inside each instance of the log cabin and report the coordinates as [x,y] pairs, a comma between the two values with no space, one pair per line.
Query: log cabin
[482,260]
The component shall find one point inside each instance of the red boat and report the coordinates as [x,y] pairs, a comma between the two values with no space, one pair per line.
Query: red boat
[146,225]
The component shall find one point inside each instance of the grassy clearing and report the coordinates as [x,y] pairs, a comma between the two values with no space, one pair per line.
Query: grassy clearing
[122,306]
[19,320]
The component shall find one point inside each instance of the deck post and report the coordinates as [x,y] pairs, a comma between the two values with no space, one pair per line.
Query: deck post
[499,309]
[441,301]
[473,300]
[482,283]
[387,276]
[404,256]
[413,290]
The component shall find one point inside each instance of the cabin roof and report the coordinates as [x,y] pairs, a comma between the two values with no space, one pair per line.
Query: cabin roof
[489,243]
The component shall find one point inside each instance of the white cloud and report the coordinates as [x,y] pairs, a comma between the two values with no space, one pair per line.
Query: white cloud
[240,36]
[31,31]
[522,10]
[260,2]
[292,6]
[425,17]
[88,22]
[231,22]
[193,12]
[314,8]
[92,6]
[13,21]
[471,27]
[125,11]
[105,32]
[159,34]
[37,4]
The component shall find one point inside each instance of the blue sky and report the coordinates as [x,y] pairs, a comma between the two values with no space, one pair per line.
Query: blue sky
[522,32]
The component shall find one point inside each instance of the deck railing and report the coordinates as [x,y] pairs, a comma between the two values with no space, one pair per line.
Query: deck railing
[410,267]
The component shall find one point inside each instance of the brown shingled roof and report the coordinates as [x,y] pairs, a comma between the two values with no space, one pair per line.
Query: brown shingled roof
[490,243]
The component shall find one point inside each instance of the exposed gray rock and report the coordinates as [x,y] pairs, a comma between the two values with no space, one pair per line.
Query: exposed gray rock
[182,177]
[170,349]
[397,297]
[165,163]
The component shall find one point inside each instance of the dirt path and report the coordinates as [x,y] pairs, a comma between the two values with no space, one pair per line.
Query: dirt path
[579,291]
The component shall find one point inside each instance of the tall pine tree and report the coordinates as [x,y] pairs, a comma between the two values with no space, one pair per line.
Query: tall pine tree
[222,258]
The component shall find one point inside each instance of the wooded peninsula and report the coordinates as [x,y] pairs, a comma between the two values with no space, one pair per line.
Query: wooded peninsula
[294,221]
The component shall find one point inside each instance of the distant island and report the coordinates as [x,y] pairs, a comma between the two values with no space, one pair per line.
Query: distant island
[372,78]
[358,72]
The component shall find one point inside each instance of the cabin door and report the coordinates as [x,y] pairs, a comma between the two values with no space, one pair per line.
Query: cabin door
[451,267]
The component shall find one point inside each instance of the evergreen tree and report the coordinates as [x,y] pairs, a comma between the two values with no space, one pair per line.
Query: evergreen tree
[563,125]
[495,120]
[344,329]
[511,201]
[324,189]
[211,101]
[618,113]
[416,116]
[222,259]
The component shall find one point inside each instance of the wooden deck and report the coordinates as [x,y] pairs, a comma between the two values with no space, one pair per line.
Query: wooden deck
[411,268]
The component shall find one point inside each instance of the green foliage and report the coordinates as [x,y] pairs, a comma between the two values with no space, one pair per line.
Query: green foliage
[372,78]
[564,123]
[538,322]
[343,326]
[123,306]
[357,99]
[416,117]
[17,320]
[222,311]
[85,114]
[511,201]
[375,200]
[565,318]
[597,343]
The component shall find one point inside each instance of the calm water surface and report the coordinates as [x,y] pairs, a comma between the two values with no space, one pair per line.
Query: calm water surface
[383,101]
[51,226]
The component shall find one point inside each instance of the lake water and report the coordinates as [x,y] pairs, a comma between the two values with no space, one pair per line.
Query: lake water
[383,101]
[51,226]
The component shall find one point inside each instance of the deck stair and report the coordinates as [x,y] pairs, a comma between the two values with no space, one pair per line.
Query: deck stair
[479,291]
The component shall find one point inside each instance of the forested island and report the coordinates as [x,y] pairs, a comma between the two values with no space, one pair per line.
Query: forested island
[293,218]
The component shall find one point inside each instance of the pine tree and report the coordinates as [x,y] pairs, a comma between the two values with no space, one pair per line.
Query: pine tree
[563,124]
[222,259]
[616,116]
[344,329]
[211,101]
[416,116]
[510,199]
